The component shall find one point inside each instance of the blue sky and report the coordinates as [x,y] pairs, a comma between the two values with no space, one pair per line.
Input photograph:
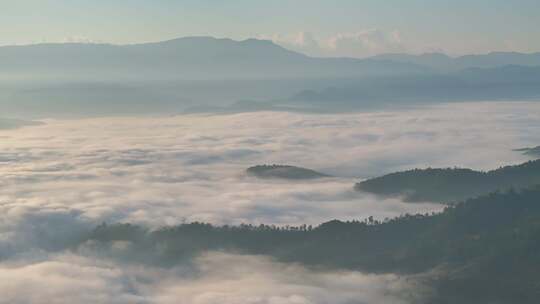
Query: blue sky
[332,27]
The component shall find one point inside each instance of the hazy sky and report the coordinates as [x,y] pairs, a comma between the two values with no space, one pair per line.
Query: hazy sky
[337,27]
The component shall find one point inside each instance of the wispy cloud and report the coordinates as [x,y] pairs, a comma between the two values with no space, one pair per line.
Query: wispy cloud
[362,43]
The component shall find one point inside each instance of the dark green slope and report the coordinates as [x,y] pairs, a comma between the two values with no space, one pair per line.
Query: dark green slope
[452,185]
[284,172]
[535,152]
[485,250]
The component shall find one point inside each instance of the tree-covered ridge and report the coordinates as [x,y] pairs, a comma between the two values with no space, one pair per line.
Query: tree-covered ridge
[530,151]
[451,185]
[283,172]
[484,250]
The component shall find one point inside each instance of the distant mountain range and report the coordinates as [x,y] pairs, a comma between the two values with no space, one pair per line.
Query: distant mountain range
[191,58]
[208,73]
[511,82]
[446,63]
[210,58]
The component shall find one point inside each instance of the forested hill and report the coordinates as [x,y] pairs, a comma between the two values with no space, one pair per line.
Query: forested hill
[484,250]
[534,152]
[283,172]
[452,184]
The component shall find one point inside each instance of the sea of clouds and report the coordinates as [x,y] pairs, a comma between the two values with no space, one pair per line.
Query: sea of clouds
[63,177]
[213,278]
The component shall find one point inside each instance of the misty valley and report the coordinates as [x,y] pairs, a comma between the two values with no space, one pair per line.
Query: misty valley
[394,214]
[270,152]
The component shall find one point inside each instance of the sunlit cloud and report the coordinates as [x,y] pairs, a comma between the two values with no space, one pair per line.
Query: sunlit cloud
[362,43]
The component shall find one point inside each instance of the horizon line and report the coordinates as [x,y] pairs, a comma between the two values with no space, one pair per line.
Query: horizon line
[418,54]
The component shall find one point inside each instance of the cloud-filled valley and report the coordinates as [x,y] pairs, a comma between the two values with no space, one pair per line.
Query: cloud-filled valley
[269,152]
[63,177]
[212,278]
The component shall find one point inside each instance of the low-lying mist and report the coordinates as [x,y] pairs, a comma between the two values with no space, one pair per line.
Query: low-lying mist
[64,177]
[211,279]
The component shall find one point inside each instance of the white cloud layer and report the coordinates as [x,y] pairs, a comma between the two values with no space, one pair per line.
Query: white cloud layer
[62,177]
[363,43]
[164,170]
[215,278]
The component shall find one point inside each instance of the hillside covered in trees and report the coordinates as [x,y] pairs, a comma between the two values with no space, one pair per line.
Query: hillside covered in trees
[283,172]
[534,152]
[451,185]
[484,250]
